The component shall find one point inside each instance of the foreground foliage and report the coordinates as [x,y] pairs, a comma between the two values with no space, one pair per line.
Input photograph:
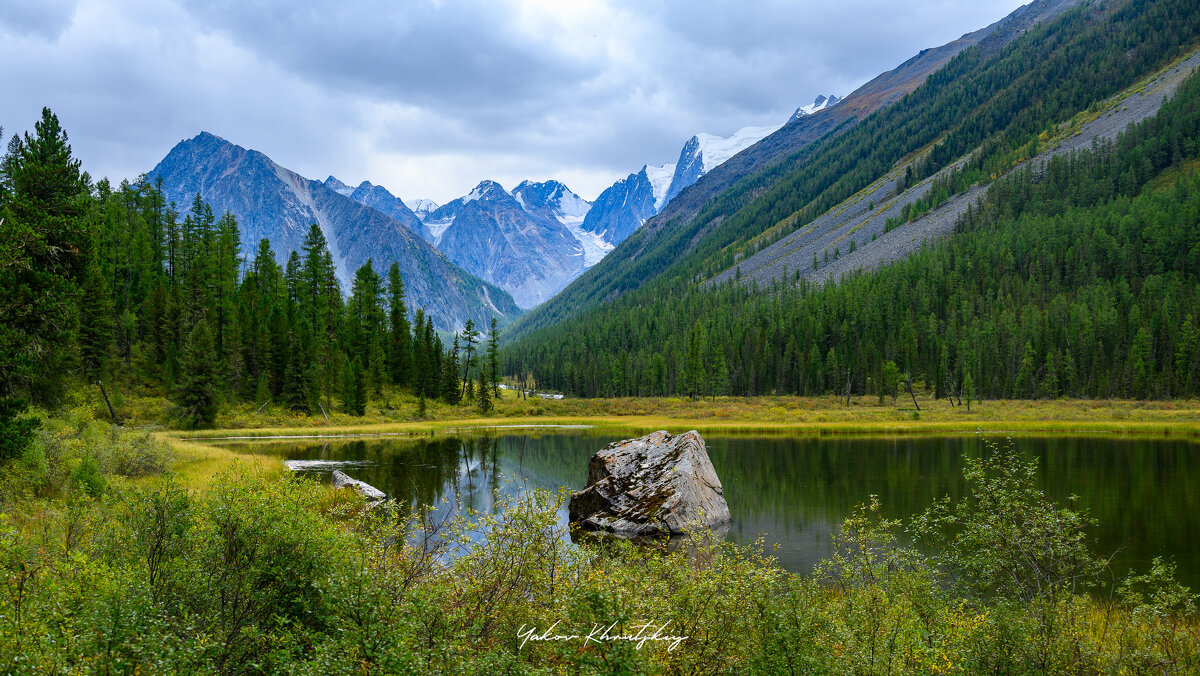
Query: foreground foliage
[264,575]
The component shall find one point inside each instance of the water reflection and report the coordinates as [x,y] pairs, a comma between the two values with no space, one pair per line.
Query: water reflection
[796,490]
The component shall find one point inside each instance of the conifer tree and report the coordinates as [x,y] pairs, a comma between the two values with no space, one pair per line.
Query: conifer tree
[350,388]
[400,336]
[95,324]
[450,384]
[421,363]
[198,392]
[44,246]
[485,392]
[493,358]
[469,337]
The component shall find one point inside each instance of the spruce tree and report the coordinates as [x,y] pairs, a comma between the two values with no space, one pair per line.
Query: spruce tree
[360,387]
[95,324]
[450,384]
[400,360]
[493,358]
[198,392]
[45,245]
[485,392]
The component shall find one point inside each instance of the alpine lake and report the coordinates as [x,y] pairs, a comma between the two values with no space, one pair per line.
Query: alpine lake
[793,491]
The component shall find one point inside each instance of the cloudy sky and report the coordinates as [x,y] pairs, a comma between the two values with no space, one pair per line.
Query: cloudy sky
[428,97]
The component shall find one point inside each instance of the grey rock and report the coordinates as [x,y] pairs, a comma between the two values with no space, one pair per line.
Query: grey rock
[364,489]
[654,485]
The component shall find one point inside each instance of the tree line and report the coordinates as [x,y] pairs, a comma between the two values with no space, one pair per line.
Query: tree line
[101,282]
[1082,279]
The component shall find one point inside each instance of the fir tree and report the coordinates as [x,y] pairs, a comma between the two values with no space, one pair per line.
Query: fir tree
[469,337]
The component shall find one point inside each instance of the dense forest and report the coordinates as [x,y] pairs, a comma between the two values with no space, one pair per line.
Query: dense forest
[1076,281]
[1079,280]
[106,283]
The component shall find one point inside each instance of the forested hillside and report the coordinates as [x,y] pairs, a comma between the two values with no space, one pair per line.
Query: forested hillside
[102,283]
[1036,296]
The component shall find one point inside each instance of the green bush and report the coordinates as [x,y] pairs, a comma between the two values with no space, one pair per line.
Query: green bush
[256,575]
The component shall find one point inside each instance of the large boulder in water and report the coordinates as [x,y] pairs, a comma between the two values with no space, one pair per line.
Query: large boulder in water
[657,484]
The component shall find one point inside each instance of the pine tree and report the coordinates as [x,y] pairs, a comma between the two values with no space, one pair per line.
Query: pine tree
[968,389]
[421,363]
[198,392]
[226,263]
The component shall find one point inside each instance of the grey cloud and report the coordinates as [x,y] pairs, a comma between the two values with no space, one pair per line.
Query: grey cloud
[465,56]
[415,89]
[41,18]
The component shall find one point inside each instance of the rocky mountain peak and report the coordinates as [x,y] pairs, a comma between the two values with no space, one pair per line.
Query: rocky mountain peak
[337,186]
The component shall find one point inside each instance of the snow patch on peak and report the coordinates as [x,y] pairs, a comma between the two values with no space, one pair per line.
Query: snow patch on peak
[571,207]
[593,243]
[422,207]
[660,181]
[337,186]
[820,103]
[715,150]
[487,189]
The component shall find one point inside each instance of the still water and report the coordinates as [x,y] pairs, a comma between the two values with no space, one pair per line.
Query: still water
[794,491]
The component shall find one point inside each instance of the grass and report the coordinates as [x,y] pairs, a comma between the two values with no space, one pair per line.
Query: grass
[195,464]
[396,413]
[758,415]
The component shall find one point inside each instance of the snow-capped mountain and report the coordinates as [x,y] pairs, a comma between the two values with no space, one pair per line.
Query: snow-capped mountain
[702,152]
[820,103]
[270,201]
[514,240]
[554,200]
[378,196]
[624,206]
[660,178]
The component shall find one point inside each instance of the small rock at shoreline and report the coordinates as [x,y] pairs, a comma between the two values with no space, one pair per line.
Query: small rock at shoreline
[364,489]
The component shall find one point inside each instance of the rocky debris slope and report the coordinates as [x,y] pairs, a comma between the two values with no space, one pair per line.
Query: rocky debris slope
[655,485]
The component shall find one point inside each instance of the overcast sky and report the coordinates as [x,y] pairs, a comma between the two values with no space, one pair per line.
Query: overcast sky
[429,97]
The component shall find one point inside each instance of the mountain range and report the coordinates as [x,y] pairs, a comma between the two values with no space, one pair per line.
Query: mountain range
[275,203]
[537,238]
[685,223]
